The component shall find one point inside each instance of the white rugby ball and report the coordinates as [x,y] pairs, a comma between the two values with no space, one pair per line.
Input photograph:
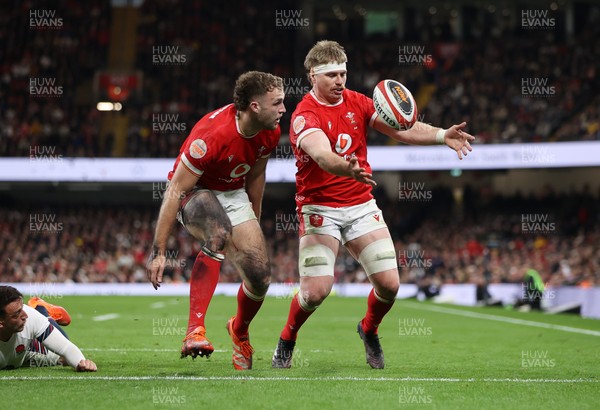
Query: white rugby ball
[395,104]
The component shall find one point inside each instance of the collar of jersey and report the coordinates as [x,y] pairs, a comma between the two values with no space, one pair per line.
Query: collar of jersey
[239,130]
[313,95]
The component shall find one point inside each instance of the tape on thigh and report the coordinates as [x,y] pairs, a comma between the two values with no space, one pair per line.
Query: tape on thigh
[316,260]
[378,256]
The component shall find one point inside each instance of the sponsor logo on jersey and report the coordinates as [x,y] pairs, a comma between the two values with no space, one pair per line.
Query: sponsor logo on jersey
[198,149]
[240,170]
[299,123]
[343,144]
[20,349]
[316,220]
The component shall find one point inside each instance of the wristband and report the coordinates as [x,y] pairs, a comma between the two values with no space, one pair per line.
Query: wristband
[439,136]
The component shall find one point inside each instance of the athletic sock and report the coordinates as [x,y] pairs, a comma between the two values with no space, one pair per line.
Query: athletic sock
[203,282]
[377,308]
[248,306]
[299,312]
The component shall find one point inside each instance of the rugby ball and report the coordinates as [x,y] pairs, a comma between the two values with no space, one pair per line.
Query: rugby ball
[395,104]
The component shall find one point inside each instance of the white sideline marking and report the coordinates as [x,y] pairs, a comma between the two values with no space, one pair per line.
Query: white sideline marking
[504,319]
[117,350]
[100,349]
[310,379]
[102,318]
[158,305]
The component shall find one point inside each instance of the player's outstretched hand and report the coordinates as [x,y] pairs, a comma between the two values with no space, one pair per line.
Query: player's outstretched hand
[155,268]
[86,366]
[359,173]
[459,140]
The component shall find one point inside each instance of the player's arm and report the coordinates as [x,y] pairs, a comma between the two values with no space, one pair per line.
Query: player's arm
[183,181]
[316,145]
[56,342]
[425,134]
[255,185]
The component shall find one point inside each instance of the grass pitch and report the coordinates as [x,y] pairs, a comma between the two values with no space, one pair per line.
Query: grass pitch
[437,357]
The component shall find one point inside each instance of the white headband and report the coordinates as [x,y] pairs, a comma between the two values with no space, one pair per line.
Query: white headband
[326,68]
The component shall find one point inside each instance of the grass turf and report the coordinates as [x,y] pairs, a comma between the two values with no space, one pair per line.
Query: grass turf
[435,358]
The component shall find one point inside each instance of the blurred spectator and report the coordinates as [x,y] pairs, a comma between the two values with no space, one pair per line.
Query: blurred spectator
[484,242]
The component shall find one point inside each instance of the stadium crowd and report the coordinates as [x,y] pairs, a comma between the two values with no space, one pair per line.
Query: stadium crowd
[480,81]
[485,238]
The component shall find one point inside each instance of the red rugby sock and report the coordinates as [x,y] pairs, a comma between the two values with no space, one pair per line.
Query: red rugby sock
[203,282]
[377,308]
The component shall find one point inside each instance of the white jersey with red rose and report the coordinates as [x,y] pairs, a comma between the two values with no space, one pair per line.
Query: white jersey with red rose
[21,346]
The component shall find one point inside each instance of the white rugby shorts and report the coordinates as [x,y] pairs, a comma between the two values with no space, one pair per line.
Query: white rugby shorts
[344,223]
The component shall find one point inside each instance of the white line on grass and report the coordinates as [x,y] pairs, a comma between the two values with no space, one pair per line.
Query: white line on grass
[310,379]
[119,350]
[102,318]
[503,319]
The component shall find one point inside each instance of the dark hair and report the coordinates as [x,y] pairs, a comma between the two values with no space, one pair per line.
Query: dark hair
[253,84]
[8,295]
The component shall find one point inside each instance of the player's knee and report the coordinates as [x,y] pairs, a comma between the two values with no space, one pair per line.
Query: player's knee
[389,290]
[258,273]
[315,297]
[219,238]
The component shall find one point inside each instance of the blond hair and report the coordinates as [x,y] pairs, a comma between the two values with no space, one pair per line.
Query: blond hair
[325,51]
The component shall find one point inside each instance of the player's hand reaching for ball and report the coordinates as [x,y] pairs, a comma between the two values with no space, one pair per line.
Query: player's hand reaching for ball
[459,140]
[86,366]
[359,173]
[155,268]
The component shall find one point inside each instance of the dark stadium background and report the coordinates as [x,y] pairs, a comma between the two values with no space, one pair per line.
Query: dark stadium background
[176,61]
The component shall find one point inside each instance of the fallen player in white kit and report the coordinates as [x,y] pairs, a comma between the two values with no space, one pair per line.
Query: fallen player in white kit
[32,337]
